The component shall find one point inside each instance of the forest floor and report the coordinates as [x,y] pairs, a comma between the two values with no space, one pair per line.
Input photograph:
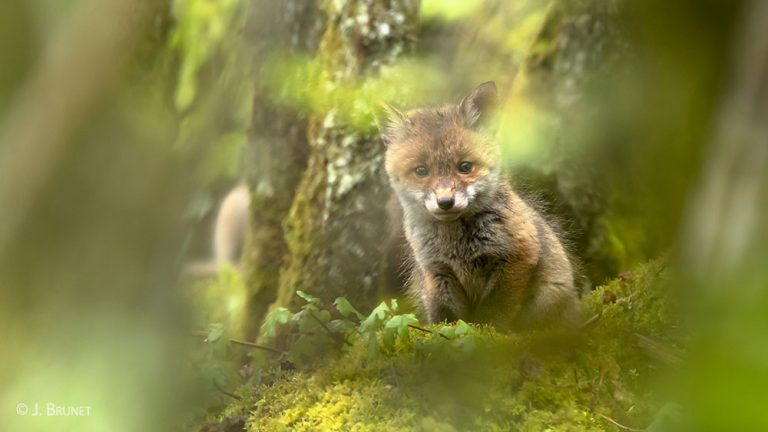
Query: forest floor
[605,376]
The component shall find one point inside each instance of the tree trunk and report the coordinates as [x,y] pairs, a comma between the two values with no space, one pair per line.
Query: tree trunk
[277,146]
[337,220]
[724,245]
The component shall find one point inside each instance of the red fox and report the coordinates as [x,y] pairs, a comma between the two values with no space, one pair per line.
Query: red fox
[480,253]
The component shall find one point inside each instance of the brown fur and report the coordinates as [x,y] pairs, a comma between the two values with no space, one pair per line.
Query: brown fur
[485,255]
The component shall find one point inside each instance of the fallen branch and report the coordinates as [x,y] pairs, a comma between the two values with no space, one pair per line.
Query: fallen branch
[224,392]
[244,343]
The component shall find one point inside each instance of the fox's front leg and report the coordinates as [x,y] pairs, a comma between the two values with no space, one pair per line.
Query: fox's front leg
[444,297]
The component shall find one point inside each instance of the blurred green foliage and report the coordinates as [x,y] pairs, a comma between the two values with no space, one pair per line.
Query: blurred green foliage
[202,26]
[448,10]
[608,109]
[213,92]
[220,301]
[303,83]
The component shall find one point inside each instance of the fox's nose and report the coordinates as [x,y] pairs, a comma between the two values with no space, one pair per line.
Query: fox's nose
[445,203]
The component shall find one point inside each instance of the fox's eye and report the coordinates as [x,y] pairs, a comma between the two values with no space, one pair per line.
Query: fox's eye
[421,171]
[465,167]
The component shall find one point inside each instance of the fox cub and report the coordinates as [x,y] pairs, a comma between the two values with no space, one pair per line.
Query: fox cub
[480,253]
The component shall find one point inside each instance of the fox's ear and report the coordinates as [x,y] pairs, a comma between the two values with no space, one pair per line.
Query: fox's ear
[480,105]
[393,124]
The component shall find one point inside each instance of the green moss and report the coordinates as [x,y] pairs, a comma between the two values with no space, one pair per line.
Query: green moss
[303,230]
[530,382]
[259,263]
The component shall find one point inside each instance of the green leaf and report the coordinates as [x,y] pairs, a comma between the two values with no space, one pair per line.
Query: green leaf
[399,323]
[306,322]
[375,319]
[298,316]
[463,328]
[307,297]
[324,316]
[275,317]
[345,308]
[341,326]
[448,331]
[215,332]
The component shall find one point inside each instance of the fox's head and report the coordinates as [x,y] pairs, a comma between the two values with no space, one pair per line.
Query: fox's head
[443,160]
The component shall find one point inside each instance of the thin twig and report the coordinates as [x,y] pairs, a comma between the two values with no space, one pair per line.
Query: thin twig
[232,395]
[255,345]
[590,321]
[244,343]
[336,336]
[619,425]
[415,327]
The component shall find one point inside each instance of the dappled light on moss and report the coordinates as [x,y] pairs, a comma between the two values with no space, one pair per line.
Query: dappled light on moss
[302,83]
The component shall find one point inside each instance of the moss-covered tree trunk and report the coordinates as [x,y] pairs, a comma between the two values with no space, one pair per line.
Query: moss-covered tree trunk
[277,145]
[337,221]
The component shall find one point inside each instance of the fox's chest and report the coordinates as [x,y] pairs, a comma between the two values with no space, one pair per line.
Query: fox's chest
[472,249]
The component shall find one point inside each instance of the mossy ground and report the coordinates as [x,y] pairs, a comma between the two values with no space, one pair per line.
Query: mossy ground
[486,381]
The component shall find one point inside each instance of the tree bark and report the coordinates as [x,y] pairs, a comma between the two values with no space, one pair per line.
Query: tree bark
[277,146]
[337,220]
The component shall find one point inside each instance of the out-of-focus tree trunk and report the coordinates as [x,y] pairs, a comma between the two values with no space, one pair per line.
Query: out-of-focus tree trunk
[91,189]
[277,145]
[337,221]
[725,243]
[727,208]
[577,44]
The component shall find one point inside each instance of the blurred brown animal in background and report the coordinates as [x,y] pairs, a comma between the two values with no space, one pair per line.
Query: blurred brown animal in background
[229,231]
[231,226]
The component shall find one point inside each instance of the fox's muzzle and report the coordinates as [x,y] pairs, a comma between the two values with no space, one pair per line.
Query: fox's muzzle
[444,197]
[446,201]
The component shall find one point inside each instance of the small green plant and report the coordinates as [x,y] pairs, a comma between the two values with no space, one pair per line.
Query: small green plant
[339,369]
[313,332]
